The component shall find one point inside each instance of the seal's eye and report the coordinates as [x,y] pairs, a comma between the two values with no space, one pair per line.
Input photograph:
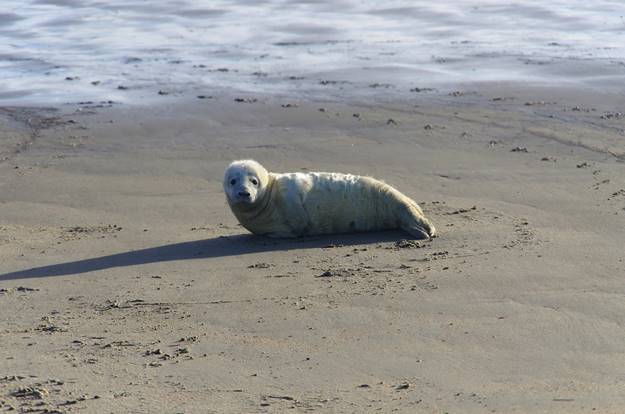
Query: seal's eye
[254,181]
[233,181]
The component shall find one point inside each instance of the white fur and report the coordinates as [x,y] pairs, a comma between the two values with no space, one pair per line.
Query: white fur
[306,204]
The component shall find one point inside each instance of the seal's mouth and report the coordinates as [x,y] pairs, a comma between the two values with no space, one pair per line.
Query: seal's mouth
[240,199]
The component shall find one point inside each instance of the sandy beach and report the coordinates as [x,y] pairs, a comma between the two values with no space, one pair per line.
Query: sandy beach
[127,286]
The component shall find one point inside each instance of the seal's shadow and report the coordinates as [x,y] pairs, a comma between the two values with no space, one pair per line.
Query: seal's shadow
[201,249]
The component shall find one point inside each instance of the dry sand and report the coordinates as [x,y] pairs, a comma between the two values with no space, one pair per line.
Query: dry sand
[126,285]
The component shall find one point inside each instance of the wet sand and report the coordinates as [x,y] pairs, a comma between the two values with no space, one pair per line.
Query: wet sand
[126,285]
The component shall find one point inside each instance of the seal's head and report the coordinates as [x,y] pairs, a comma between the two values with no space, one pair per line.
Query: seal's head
[245,182]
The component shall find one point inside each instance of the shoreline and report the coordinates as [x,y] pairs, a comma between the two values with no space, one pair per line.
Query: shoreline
[367,91]
[127,284]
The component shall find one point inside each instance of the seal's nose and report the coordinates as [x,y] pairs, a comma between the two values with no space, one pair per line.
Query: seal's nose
[244,194]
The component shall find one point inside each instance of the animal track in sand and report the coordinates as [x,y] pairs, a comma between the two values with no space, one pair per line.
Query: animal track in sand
[475,230]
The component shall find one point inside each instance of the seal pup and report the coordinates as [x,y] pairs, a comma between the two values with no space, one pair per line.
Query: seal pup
[308,204]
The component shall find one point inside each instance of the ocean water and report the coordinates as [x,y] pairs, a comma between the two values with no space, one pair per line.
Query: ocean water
[63,51]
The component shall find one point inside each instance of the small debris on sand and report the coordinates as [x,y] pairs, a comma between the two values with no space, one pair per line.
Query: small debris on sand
[31,392]
[245,100]
[407,244]
[380,85]
[261,265]
[23,289]
[281,397]
[610,115]
[463,210]
[502,98]
[336,273]
[327,273]
[422,90]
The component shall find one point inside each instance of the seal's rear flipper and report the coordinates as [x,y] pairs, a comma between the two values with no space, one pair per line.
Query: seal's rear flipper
[417,232]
